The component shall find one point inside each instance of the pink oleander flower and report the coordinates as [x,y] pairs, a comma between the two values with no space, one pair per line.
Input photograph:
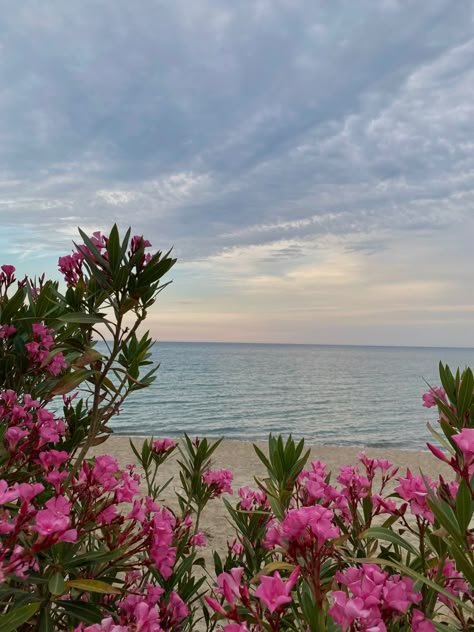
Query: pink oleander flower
[229,585]
[55,520]
[235,548]
[420,624]
[6,331]
[7,494]
[274,592]
[52,458]
[163,446]
[429,398]
[14,435]
[345,610]
[9,271]
[57,364]
[236,627]
[177,610]
[413,489]
[465,442]
[219,481]
[199,539]
[251,499]
[308,523]
[71,268]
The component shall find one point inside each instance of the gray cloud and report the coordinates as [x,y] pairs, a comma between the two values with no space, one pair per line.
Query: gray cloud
[216,124]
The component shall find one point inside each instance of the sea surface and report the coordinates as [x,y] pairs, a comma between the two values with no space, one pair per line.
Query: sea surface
[336,395]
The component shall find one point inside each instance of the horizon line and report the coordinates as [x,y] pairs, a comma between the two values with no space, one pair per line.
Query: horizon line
[310,344]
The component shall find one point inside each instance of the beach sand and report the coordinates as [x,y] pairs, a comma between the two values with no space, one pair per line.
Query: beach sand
[240,458]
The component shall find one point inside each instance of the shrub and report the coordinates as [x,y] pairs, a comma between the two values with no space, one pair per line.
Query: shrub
[83,547]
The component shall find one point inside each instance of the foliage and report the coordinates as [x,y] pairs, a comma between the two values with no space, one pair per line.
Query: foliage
[86,545]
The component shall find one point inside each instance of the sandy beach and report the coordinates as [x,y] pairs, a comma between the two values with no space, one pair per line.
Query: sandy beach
[240,458]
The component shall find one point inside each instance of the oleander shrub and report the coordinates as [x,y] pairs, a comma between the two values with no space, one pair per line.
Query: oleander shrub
[88,545]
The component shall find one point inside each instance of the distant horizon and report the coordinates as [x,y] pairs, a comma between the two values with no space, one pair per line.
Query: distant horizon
[309,344]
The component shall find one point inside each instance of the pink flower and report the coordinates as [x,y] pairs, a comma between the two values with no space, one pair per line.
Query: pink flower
[6,331]
[57,364]
[309,522]
[229,584]
[162,446]
[199,539]
[178,610]
[14,435]
[413,489]
[236,627]
[9,271]
[345,611]
[107,515]
[219,481]
[274,592]
[7,494]
[420,624]
[52,458]
[465,442]
[429,398]
[55,518]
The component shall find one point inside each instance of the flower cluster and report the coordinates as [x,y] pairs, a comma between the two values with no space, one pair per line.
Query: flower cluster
[371,599]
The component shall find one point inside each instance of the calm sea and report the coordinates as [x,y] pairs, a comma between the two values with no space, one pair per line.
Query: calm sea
[338,395]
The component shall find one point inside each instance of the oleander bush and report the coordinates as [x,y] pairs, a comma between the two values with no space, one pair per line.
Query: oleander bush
[88,545]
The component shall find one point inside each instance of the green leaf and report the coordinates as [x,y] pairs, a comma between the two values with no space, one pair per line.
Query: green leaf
[465,392]
[46,624]
[113,248]
[18,616]
[380,533]
[56,584]
[93,585]
[79,318]
[82,611]
[464,506]
[69,382]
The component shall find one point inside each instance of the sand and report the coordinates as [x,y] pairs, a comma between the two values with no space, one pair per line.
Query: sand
[240,457]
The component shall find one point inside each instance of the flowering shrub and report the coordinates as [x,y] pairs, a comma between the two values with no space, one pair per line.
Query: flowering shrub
[86,545]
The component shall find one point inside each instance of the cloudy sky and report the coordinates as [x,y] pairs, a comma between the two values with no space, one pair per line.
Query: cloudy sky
[311,161]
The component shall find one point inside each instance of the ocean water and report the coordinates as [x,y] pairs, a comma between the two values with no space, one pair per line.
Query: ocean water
[336,395]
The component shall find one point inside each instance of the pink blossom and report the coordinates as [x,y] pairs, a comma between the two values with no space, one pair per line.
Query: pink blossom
[57,364]
[177,609]
[229,584]
[199,539]
[107,515]
[6,331]
[236,627]
[9,271]
[413,489]
[14,435]
[219,481]
[274,592]
[429,398]
[465,442]
[28,491]
[52,458]
[55,518]
[309,522]
[420,624]
[7,494]
[162,446]
[345,611]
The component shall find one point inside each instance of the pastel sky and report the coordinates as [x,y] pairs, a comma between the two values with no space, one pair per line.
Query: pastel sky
[311,161]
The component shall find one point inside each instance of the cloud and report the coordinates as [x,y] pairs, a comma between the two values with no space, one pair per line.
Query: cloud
[261,139]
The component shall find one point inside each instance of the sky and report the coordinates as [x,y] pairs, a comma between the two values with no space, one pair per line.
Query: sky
[311,162]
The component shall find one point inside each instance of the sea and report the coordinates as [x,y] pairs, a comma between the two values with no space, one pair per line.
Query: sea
[331,395]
